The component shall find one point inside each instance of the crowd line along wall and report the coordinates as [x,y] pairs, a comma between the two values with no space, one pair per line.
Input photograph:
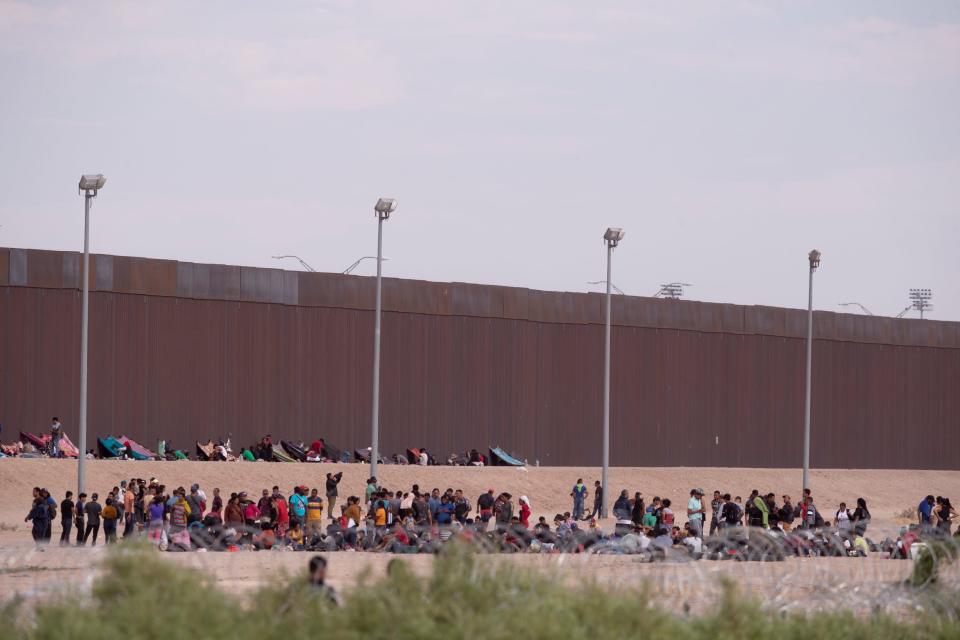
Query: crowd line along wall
[186,351]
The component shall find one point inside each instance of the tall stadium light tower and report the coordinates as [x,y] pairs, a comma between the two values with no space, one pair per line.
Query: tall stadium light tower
[612,237]
[814,258]
[672,290]
[383,209]
[89,186]
[920,299]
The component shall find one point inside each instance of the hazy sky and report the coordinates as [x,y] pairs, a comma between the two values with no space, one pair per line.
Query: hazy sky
[727,138]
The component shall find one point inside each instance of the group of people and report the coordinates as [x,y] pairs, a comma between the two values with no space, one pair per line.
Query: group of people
[415,520]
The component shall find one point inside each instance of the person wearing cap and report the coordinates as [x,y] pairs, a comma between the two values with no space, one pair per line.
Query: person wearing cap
[579,495]
[695,512]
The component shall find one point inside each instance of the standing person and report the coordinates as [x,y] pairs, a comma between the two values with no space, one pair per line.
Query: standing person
[129,514]
[925,512]
[695,512]
[40,516]
[110,516]
[637,509]
[504,512]
[461,507]
[809,512]
[283,513]
[371,488]
[155,514]
[56,434]
[332,482]
[667,517]
[525,512]
[196,504]
[597,502]
[66,518]
[861,517]
[621,508]
[579,495]
[485,507]
[731,514]
[51,513]
[787,513]
[761,511]
[297,507]
[314,515]
[945,515]
[715,506]
[842,520]
[216,505]
[78,517]
[179,514]
[233,512]
[92,511]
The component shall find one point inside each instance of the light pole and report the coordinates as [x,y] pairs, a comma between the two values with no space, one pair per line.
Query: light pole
[814,263]
[612,237]
[383,209]
[357,262]
[89,186]
[298,259]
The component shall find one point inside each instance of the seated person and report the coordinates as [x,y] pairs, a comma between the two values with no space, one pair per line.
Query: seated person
[266,538]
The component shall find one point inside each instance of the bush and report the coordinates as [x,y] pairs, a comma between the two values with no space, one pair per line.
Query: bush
[141,595]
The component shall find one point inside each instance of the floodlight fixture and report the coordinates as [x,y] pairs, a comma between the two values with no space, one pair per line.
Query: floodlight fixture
[384,207]
[814,259]
[920,299]
[92,182]
[672,290]
[613,236]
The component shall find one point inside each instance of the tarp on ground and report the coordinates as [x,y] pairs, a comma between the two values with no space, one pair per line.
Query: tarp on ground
[109,447]
[295,452]
[205,451]
[331,452]
[280,455]
[361,455]
[136,450]
[413,456]
[42,443]
[69,449]
[500,457]
[36,441]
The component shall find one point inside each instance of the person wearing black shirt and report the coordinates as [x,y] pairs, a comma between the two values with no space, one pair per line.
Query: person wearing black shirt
[66,518]
[332,481]
[92,509]
[78,512]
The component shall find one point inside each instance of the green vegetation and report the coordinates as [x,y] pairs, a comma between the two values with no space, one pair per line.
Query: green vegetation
[140,595]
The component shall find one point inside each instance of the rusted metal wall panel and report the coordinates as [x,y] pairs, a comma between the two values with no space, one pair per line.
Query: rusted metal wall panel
[184,368]
[4,266]
[468,366]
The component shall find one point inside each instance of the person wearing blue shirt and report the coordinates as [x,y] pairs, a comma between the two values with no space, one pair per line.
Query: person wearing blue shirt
[434,503]
[445,511]
[925,511]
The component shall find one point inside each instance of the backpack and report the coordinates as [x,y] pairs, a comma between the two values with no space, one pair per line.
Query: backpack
[732,513]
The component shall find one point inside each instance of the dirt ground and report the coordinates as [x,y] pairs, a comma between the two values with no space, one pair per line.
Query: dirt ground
[26,570]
